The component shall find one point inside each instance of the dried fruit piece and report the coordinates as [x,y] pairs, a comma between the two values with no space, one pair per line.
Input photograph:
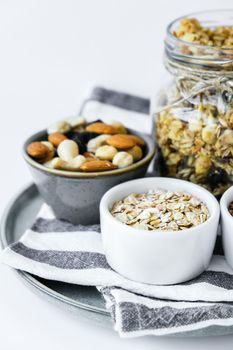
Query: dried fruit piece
[37,150]
[101,128]
[56,138]
[97,165]
[230,208]
[81,138]
[106,152]
[216,176]
[122,159]
[121,141]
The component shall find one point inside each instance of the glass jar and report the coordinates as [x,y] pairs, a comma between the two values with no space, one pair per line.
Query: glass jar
[193,113]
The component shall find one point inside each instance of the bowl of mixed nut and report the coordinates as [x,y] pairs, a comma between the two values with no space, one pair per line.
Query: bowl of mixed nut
[163,230]
[226,205]
[73,163]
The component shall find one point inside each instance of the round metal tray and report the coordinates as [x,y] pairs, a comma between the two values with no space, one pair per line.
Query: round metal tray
[82,300]
[86,301]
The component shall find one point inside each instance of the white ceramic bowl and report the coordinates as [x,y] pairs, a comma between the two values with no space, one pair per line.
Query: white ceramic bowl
[158,257]
[227,225]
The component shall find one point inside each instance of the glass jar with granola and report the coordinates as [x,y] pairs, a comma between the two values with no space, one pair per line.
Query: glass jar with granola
[194,113]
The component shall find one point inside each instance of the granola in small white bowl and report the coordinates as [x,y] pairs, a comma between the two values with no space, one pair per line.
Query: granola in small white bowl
[159,230]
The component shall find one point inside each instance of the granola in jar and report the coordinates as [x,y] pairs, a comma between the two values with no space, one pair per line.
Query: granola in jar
[194,116]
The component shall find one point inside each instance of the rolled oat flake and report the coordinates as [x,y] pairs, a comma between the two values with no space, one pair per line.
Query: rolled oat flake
[160,210]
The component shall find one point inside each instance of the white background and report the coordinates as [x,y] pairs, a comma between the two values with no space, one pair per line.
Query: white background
[51,54]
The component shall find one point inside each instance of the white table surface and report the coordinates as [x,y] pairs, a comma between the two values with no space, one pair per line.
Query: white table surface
[51,54]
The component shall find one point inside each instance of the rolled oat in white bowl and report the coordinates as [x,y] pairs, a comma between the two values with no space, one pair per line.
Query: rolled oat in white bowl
[151,246]
[161,210]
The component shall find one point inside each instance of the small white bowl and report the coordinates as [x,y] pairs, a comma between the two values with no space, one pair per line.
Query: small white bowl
[227,226]
[158,257]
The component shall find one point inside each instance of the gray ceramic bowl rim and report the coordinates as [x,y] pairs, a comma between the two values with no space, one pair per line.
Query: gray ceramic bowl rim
[70,174]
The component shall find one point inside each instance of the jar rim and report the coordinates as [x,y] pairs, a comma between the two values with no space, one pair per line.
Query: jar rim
[196,14]
[180,50]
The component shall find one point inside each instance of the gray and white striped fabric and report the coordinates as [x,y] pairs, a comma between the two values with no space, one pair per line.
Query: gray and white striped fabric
[57,250]
[132,111]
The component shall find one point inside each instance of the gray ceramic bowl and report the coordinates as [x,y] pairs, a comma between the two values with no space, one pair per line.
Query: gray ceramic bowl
[75,196]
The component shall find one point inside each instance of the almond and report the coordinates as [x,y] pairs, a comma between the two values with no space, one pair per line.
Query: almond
[50,155]
[37,150]
[138,140]
[121,141]
[101,128]
[97,165]
[89,155]
[120,128]
[56,138]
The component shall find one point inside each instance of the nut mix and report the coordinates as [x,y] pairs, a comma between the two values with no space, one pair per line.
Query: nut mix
[160,210]
[76,145]
[194,131]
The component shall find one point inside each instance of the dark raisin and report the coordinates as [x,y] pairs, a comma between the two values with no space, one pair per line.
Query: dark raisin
[217,176]
[81,138]
[230,208]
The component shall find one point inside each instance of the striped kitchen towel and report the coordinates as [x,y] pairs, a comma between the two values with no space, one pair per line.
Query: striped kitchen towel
[132,111]
[57,250]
